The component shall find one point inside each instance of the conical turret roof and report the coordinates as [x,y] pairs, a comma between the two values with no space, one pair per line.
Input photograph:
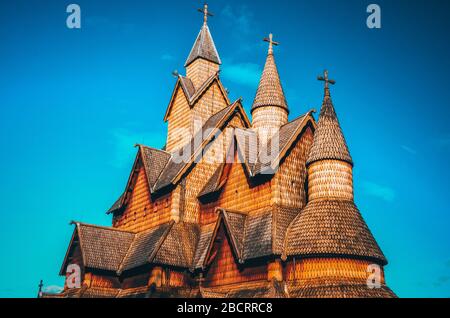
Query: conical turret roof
[270,92]
[329,141]
[332,228]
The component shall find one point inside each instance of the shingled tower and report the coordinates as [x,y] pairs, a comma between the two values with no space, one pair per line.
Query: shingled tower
[198,95]
[333,245]
[269,110]
[203,60]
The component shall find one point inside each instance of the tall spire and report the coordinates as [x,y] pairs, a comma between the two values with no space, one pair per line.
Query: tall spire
[270,92]
[329,142]
[204,46]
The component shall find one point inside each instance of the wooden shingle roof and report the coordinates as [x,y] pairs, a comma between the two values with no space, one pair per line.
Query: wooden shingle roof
[270,91]
[339,290]
[257,289]
[252,236]
[178,248]
[102,247]
[213,184]
[154,161]
[258,236]
[203,244]
[110,249]
[332,227]
[204,47]
[329,141]
[144,247]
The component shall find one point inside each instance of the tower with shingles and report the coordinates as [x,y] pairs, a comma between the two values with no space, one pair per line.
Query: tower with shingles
[270,110]
[223,222]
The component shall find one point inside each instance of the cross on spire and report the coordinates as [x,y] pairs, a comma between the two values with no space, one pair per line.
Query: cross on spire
[206,13]
[271,42]
[327,81]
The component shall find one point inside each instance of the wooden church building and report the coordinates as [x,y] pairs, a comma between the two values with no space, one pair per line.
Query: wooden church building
[233,207]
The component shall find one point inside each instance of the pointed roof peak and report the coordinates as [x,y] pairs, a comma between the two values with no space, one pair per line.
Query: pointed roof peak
[329,141]
[270,91]
[204,46]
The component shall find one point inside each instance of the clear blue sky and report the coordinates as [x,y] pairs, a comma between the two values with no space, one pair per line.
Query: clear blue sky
[74,102]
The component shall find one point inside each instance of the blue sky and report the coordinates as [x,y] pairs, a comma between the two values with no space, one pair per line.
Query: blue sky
[74,102]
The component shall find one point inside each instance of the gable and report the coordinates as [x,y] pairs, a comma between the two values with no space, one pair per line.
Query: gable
[222,263]
[191,95]
[175,170]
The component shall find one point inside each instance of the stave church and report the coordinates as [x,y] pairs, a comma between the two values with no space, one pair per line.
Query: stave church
[232,207]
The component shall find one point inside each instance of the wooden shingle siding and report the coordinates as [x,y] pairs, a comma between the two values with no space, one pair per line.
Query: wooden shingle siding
[104,281]
[239,195]
[330,179]
[200,70]
[224,270]
[306,271]
[212,159]
[263,117]
[140,212]
[179,122]
[289,183]
[211,101]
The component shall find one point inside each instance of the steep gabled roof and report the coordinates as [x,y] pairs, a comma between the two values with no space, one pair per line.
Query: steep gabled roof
[101,247]
[203,245]
[111,249]
[234,223]
[286,136]
[331,227]
[144,247]
[192,95]
[204,47]
[329,141]
[213,184]
[153,161]
[323,289]
[174,169]
[251,235]
[178,248]
[258,236]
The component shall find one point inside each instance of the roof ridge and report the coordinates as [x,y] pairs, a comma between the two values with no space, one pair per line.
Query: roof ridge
[156,149]
[299,117]
[101,227]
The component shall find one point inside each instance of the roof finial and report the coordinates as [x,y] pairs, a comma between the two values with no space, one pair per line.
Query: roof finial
[206,13]
[41,284]
[326,80]
[271,43]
